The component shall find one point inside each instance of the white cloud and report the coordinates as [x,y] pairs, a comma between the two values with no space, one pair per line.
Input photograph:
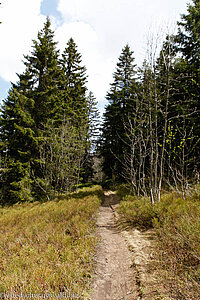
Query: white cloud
[88,45]
[100,28]
[21,21]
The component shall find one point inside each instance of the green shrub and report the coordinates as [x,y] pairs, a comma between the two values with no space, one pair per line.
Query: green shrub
[123,190]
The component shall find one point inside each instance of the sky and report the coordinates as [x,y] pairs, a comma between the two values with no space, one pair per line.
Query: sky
[100,28]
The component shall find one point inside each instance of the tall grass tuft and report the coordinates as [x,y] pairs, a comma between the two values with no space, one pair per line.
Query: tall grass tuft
[177,225]
[47,248]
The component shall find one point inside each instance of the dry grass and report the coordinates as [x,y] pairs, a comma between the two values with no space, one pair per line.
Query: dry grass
[47,248]
[176,222]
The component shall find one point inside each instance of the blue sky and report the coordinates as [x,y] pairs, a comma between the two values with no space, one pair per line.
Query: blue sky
[100,28]
[4,87]
[49,7]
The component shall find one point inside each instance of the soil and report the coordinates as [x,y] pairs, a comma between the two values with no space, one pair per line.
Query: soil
[122,259]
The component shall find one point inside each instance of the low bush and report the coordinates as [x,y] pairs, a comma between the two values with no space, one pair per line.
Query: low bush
[137,212]
[123,190]
[47,248]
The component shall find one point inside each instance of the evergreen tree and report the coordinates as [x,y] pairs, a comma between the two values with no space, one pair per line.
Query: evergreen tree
[45,123]
[30,104]
[74,75]
[43,65]
[188,70]
[188,37]
[93,135]
[75,79]
[121,99]
[94,119]
[17,139]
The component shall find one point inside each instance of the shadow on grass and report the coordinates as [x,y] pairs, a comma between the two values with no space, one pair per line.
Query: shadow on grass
[82,193]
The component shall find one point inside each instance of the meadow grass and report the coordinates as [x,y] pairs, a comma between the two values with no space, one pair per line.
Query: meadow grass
[176,222]
[48,247]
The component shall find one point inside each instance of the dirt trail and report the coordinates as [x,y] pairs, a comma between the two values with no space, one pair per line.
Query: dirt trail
[115,276]
[123,260]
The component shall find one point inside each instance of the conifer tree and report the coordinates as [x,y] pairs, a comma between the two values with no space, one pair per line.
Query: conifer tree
[17,139]
[45,123]
[74,75]
[121,99]
[30,104]
[75,99]
[93,135]
[188,34]
[94,119]
[43,65]
[188,70]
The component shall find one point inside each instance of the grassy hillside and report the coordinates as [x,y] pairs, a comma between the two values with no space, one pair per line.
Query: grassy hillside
[46,248]
[176,222]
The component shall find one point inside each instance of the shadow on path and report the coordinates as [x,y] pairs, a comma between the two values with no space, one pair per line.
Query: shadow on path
[114,276]
[110,198]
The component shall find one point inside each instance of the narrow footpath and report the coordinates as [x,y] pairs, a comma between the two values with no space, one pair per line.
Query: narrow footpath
[124,261]
[115,276]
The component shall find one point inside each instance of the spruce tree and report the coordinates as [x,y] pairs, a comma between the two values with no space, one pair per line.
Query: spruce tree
[93,120]
[44,67]
[189,33]
[17,139]
[32,101]
[121,99]
[75,100]
[93,135]
[75,79]
[45,123]
[188,70]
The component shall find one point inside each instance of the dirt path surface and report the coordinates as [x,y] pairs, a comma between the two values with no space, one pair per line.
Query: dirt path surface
[115,276]
[125,267]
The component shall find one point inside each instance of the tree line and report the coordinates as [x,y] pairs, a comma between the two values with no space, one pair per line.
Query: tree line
[46,124]
[151,129]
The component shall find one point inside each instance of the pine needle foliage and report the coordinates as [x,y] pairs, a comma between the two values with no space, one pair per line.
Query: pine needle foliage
[44,123]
